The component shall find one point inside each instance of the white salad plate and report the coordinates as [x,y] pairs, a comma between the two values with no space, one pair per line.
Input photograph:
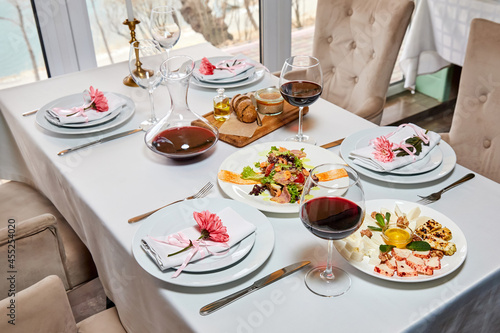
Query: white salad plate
[245,78]
[116,118]
[248,156]
[436,164]
[241,260]
[448,263]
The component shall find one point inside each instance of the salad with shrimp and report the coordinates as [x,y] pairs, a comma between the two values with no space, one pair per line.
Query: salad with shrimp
[282,174]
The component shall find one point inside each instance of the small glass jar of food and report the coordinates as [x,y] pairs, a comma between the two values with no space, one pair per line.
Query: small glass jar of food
[397,235]
[269,101]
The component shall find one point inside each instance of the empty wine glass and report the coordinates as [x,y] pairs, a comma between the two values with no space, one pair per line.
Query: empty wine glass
[165,27]
[144,65]
[332,206]
[301,83]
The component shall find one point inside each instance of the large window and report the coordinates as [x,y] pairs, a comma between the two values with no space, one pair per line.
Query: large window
[21,56]
[74,42]
[231,25]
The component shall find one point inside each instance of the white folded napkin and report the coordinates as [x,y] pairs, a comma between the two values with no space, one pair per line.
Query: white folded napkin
[115,103]
[219,74]
[237,229]
[365,156]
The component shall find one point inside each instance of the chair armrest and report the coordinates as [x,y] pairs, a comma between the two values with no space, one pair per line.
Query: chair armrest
[42,307]
[28,227]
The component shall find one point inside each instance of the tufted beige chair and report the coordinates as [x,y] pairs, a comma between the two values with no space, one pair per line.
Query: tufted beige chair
[357,43]
[44,308]
[474,132]
[45,244]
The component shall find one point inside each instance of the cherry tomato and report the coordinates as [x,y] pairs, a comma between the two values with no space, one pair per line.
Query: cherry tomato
[300,179]
[269,168]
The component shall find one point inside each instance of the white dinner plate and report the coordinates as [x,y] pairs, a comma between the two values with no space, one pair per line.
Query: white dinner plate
[438,163]
[113,120]
[248,156]
[256,75]
[214,263]
[214,60]
[448,263]
[110,116]
[232,267]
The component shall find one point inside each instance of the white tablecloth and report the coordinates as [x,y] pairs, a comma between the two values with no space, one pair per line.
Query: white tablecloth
[100,188]
[438,34]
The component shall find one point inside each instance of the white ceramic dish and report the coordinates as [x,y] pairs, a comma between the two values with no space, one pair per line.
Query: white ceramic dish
[249,77]
[214,60]
[172,219]
[214,263]
[437,164]
[257,153]
[448,264]
[108,122]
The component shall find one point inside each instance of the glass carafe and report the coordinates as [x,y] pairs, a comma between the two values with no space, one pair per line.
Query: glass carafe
[181,133]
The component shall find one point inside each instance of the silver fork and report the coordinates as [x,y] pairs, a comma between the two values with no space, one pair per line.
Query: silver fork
[201,193]
[436,196]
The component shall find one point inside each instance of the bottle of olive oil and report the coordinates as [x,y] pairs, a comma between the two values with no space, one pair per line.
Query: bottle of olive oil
[221,106]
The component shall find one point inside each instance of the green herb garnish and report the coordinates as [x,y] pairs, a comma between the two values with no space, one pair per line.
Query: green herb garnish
[374,228]
[386,248]
[380,219]
[419,246]
[416,142]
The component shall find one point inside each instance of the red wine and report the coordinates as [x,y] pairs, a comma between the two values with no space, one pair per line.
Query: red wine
[331,217]
[300,93]
[184,140]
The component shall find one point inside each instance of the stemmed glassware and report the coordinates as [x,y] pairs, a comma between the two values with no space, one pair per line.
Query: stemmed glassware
[165,27]
[301,84]
[332,206]
[144,65]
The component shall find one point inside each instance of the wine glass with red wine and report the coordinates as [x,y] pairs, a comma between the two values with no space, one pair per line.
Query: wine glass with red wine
[332,206]
[301,83]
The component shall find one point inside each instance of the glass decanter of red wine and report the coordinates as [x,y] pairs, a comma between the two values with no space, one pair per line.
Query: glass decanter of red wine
[332,206]
[301,82]
[181,133]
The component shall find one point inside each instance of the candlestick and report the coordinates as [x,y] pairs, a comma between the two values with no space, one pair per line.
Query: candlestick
[130,10]
[128,80]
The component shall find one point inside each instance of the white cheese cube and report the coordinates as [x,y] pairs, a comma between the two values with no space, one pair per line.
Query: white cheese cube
[357,256]
[413,214]
[374,260]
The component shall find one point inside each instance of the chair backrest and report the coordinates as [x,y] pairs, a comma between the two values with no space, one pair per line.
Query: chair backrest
[475,128]
[357,43]
[42,307]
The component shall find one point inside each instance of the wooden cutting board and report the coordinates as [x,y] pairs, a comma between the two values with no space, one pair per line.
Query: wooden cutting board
[269,124]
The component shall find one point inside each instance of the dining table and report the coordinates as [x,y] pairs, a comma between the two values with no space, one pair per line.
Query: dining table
[97,189]
[438,35]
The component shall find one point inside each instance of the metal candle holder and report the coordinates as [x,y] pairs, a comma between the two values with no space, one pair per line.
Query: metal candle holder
[128,80]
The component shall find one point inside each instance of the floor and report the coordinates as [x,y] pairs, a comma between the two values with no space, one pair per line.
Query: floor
[419,109]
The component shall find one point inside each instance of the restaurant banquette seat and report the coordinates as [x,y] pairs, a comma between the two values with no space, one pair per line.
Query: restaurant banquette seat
[474,132]
[44,308]
[357,43]
[39,240]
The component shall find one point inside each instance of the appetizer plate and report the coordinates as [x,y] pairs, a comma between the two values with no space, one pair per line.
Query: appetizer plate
[115,119]
[242,259]
[257,153]
[448,263]
[438,163]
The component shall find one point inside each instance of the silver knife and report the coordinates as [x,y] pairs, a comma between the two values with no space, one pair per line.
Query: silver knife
[105,139]
[265,281]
